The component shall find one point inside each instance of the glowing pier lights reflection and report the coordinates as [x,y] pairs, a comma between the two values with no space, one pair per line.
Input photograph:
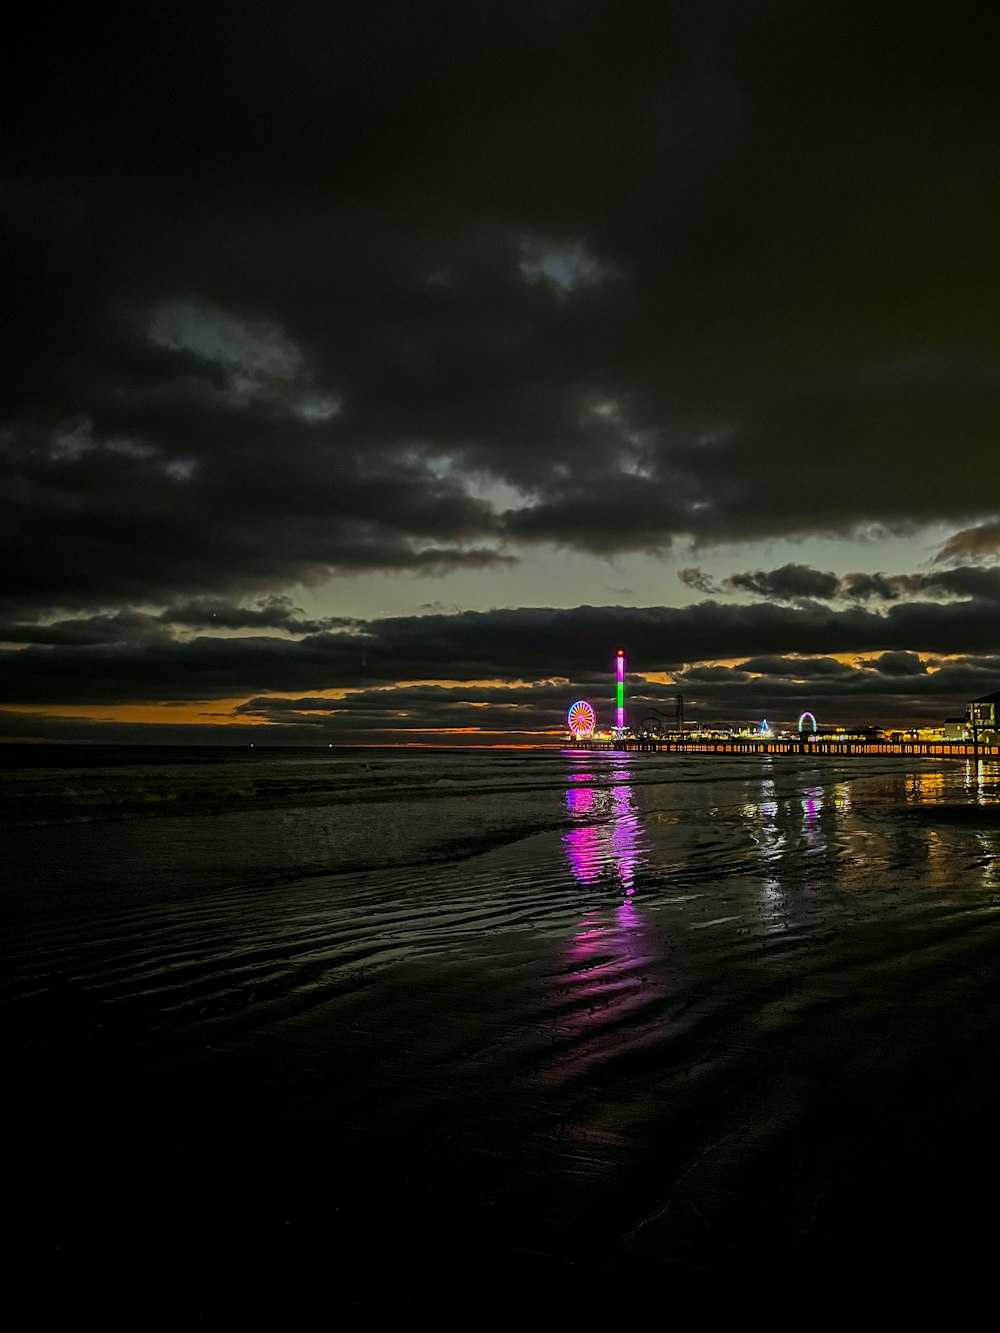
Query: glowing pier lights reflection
[608,985]
[606,837]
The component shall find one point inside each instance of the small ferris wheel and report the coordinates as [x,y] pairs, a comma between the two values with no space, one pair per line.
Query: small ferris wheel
[581,718]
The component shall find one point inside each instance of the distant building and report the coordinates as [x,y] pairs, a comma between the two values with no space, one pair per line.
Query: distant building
[955,729]
[941,733]
[983,717]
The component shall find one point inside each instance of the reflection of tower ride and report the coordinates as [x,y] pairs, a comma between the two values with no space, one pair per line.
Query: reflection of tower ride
[606,833]
[608,987]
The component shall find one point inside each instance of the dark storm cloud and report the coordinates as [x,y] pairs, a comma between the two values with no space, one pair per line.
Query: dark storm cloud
[802,668]
[973,543]
[899,664]
[131,627]
[533,645]
[966,581]
[122,628]
[103,521]
[275,612]
[407,286]
[501,709]
[787,584]
[800,583]
[697,579]
[869,587]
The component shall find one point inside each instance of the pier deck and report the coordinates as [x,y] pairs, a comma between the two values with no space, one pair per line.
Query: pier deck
[815,749]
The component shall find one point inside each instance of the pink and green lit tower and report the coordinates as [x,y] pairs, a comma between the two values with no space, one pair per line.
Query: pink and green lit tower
[620,690]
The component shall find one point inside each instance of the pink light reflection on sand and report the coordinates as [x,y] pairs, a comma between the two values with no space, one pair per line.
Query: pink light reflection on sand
[606,990]
[607,844]
[608,976]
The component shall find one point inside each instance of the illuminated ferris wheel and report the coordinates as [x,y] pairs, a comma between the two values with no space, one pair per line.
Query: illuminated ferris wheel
[581,718]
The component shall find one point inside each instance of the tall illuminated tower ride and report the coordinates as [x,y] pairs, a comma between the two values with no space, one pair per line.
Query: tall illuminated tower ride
[620,691]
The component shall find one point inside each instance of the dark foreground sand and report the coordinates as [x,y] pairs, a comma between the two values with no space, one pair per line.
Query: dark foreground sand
[838,1149]
[740,1076]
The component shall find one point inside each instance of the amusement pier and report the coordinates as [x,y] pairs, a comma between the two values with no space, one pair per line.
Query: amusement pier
[975,735]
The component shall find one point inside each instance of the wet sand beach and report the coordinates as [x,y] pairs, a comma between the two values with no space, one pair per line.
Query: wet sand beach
[539,1032]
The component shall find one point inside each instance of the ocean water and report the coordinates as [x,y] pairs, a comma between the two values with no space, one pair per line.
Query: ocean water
[551,1021]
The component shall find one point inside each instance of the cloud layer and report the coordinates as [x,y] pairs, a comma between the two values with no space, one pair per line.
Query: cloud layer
[652,270]
[490,675]
[428,288]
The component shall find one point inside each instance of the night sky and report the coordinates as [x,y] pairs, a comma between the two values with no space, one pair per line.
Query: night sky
[371,372]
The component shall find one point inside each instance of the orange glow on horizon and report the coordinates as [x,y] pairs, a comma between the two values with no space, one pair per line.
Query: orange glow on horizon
[932,661]
[189,713]
[215,712]
[223,712]
[656,677]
